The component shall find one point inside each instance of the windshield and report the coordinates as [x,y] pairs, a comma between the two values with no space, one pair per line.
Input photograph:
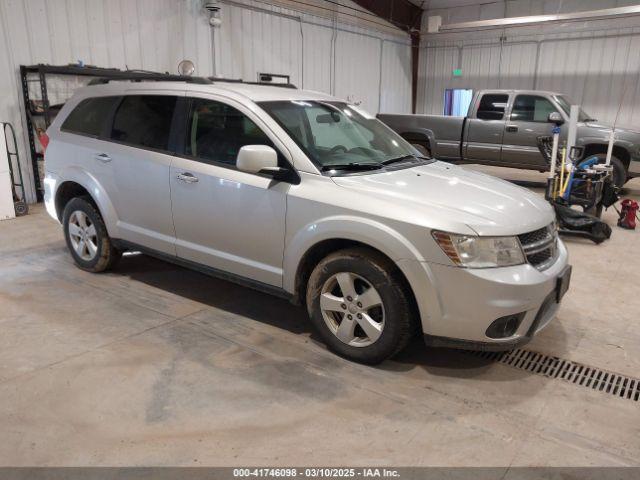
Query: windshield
[565,103]
[338,136]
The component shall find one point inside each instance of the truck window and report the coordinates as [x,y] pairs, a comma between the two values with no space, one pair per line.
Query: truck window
[492,106]
[531,108]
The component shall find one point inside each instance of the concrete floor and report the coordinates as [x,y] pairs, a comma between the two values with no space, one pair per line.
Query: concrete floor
[153,364]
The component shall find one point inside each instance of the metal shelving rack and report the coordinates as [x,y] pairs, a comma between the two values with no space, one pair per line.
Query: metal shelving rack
[38,73]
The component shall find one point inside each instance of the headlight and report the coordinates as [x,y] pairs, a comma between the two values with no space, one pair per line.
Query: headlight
[480,252]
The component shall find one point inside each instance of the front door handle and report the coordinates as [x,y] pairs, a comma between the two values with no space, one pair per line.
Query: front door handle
[102,157]
[187,177]
[512,128]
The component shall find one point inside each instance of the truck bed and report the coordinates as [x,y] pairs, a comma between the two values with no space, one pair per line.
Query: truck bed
[443,134]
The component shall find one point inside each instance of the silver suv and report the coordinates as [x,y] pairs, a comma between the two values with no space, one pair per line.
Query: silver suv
[305,196]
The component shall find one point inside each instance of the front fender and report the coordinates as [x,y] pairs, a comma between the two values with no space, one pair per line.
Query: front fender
[369,232]
[92,185]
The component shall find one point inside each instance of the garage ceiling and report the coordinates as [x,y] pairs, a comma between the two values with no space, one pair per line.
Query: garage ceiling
[433,4]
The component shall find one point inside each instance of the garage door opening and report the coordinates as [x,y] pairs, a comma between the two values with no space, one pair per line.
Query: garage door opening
[457,101]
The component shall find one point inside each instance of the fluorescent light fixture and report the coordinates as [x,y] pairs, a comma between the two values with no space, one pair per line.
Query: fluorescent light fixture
[541,19]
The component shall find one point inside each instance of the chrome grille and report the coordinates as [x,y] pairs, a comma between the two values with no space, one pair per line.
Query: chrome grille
[540,246]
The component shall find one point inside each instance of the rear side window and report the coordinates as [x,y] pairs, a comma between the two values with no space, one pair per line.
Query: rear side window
[89,116]
[492,106]
[531,108]
[144,121]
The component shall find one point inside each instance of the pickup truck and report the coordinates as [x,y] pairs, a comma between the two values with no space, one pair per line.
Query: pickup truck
[502,126]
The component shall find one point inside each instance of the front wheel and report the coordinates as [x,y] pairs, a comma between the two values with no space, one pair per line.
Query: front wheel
[360,306]
[86,236]
[619,170]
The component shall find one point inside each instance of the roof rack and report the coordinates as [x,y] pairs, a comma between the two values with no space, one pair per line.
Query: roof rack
[238,80]
[138,76]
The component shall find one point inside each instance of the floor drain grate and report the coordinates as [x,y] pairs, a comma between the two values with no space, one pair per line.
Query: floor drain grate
[576,373]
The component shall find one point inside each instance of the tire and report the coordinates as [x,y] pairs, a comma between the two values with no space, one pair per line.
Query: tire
[388,327]
[422,147]
[619,170]
[90,246]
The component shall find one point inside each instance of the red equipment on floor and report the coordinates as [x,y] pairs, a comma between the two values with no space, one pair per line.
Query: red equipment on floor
[628,214]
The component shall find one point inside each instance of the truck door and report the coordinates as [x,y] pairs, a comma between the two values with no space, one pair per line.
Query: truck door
[527,121]
[485,129]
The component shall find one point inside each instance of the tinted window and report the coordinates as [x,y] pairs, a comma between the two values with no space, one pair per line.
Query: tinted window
[492,106]
[144,120]
[531,108]
[216,132]
[89,116]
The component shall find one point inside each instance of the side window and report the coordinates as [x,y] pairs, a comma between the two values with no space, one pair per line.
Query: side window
[531,108]
[144,120]
[89,116]
[216,132]
[492,106]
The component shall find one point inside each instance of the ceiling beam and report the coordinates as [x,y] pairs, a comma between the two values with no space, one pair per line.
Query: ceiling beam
[402,13]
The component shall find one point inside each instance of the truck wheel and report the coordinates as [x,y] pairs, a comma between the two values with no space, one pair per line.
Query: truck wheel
[359,305]
[619,170]
[86,236]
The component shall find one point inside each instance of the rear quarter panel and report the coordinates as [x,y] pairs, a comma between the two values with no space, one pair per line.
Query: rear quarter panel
[444,134]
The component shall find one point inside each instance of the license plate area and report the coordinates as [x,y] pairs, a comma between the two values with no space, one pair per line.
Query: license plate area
[562,283]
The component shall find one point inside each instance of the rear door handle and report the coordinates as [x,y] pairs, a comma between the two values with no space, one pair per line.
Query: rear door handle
[512,128]
[187,177]
[102,157]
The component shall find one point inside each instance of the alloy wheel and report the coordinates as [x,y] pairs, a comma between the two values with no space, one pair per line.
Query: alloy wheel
[352,309]
[83,235]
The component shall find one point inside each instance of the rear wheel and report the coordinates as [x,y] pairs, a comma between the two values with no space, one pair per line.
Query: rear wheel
[422,147]
[359,304]
[86,236]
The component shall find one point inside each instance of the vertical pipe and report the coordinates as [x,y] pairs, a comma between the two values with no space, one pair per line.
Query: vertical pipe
[415,58]
[612,136]
[573,127]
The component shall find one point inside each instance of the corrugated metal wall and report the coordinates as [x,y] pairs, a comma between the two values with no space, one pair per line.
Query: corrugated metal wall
[595,63]
[363,64]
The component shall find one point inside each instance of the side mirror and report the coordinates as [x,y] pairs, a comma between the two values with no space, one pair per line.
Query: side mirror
[555,117]
[256,158]
[261,159]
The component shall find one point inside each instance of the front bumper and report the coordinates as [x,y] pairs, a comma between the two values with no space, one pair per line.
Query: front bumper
[459,304]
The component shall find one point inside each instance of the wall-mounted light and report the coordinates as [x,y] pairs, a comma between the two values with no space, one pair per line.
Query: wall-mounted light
[214,8]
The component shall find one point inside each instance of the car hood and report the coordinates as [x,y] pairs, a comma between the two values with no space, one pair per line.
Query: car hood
[451,197]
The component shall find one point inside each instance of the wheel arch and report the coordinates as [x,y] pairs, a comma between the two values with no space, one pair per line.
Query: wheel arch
[425,136]
[323,248]
[619,152]
[77,183]
[315,241]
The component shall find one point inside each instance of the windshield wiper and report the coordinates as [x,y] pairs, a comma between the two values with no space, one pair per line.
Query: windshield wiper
[399,159]
[352,166]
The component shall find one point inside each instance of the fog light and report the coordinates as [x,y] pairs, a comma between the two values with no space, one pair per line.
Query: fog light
[505,326]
